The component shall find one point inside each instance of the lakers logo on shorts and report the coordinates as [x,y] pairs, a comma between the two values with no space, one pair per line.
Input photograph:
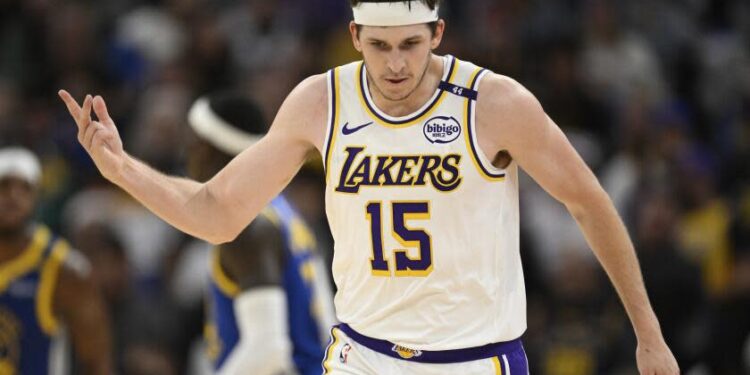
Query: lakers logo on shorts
[406,353]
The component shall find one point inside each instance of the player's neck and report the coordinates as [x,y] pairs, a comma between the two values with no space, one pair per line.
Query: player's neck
[13,243]
[424,91]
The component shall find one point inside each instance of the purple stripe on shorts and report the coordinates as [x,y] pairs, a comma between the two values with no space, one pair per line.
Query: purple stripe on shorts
[434,356]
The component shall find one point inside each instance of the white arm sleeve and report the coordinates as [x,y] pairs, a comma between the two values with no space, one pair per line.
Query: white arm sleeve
[264,347]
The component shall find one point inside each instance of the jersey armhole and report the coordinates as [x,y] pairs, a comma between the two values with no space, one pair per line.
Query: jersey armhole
[334,103]
[47,285]
[226,286]
[481,162]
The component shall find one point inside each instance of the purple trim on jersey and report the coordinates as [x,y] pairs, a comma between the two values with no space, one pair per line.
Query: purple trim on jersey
[458,90]
[384,347]
[468,128]
[411,118]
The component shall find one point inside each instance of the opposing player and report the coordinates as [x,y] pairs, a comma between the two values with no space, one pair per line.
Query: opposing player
[270,306]
[421,155]
[45,287]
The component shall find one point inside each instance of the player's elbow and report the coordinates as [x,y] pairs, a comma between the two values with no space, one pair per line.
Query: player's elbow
[223,235]
[223,231]
[221,222]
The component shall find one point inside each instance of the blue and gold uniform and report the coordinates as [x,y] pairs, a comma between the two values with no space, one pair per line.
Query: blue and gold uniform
[307,292]
[27,322]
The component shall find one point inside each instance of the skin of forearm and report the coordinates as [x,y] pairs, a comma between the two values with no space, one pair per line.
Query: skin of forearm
[186,204]
[608,238]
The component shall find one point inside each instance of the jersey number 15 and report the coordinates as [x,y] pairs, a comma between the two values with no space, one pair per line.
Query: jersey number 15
[407,237]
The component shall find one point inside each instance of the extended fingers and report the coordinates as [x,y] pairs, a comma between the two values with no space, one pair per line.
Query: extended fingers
[100,108]
[70,103]
[84,117]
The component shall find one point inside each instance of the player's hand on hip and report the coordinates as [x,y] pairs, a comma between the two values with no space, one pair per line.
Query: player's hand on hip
[655,358]
[100,138]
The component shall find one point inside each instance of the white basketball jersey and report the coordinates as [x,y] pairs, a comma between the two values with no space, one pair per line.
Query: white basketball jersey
[426,230]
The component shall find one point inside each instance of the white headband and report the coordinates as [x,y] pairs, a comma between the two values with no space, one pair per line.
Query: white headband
[20,162]
[218,132]
[398,13]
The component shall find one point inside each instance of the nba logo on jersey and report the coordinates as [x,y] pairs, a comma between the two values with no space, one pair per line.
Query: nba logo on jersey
[442,129]
[406,353]
[344,356]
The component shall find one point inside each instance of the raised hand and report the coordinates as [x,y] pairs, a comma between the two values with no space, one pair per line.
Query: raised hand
[99,138]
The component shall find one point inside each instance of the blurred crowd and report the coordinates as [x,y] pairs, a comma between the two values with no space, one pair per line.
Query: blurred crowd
[654,94]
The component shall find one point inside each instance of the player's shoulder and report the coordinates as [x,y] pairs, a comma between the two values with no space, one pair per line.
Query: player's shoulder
[307,100]
[312,89]
[504,93]
[506,111]
[502,97]
[59,256]
[74,267]
[304,111]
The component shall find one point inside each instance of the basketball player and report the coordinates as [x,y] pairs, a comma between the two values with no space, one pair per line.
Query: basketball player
[270,305]
[44,285]
[421,155]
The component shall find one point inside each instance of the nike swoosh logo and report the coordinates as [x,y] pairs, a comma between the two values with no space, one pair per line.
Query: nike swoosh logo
[347,130]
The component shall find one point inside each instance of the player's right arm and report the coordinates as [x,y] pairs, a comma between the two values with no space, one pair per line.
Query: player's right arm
[219,209]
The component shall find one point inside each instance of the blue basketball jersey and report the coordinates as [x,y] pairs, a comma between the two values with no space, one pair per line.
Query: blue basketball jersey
[27,322]
[308,296]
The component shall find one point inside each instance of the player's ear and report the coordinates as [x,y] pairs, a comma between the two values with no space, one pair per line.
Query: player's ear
[438,36]
[355,36]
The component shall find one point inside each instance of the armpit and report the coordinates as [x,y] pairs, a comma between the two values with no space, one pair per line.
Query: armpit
[502,159]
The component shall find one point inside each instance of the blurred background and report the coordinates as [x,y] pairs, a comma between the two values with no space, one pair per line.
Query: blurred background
[655,94]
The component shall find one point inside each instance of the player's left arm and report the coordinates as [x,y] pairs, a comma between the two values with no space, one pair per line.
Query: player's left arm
[80,306]
[510,118]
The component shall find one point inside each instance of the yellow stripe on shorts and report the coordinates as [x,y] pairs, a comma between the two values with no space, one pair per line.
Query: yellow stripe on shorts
[329,352]
[498,368]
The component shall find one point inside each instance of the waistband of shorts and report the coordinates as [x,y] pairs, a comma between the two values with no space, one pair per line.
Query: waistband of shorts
[431,356]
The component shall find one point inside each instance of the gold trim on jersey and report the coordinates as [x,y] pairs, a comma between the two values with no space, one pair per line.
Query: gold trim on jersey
[302,238]
[470,145]
[25,261]
[47,283]
[334,120]
[435,101]
[269,213]
[223,282]
[214,344]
